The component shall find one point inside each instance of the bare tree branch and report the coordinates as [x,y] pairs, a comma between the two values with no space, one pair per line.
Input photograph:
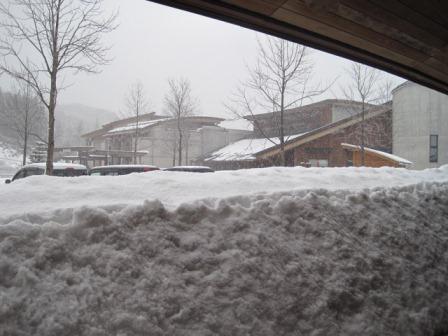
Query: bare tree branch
[180,104]
[363,89]
[136,105]
[279,81]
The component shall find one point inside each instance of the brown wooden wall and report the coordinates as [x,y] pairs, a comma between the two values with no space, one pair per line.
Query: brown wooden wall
[372,160]
[378,135]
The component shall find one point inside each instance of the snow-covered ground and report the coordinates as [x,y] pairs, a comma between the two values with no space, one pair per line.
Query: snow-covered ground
[276,251]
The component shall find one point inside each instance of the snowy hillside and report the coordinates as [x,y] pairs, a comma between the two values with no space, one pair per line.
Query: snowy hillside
[10,160]
[277,251]
[73,120]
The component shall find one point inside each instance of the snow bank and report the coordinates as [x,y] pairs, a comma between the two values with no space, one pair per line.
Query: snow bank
[319,262]
[45,195]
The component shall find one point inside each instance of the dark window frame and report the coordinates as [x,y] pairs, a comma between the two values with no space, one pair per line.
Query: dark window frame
[434,148]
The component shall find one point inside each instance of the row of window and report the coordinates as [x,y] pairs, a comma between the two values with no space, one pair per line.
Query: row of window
[433,148]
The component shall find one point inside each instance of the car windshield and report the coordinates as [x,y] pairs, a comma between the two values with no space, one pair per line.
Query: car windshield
[69,172]
[212,169]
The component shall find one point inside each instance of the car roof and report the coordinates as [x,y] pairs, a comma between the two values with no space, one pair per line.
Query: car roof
[125,166]
[56,165]
[190,167]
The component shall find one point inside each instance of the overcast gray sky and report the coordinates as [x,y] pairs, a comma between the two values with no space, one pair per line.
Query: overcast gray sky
[155,42]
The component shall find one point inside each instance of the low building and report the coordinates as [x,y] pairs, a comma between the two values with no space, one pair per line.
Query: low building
[320,147]
[92,157]
[158,139]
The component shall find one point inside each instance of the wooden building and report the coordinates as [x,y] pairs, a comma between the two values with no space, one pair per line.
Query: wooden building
[320,147]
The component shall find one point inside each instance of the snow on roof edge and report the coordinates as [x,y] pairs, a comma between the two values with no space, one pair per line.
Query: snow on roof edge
[392,157]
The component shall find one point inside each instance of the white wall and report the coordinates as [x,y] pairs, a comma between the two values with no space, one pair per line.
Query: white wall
[205,140]
[417,113]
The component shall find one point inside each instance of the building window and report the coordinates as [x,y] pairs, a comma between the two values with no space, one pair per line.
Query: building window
[433,148]
[317,163]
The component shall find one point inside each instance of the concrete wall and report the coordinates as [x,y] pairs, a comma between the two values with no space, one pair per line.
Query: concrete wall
[99,143]
[158,142]
[417,113]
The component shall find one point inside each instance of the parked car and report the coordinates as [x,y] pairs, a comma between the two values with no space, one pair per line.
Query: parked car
[115,170]
[191,169]
[59,169]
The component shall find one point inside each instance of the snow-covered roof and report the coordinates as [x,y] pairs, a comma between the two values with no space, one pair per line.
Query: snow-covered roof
[237,124]
[131,126]
[389,156]
[246,149]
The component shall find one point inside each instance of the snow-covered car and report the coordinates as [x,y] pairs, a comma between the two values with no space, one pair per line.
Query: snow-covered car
[115,170]
[59,169]
[191,169]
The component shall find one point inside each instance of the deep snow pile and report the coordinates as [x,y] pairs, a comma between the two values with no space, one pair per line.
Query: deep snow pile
[303,262]
[314,263]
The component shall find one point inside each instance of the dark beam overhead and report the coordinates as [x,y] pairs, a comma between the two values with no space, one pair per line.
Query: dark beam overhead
[408,38]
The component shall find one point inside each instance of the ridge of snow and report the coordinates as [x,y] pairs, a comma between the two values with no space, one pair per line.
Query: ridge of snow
[46,194]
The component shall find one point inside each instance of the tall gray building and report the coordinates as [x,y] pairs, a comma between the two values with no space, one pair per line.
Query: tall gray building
[420,125]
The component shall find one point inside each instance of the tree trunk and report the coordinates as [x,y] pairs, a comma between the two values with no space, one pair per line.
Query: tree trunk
[53,92]
[174,154]
[186,151]
[25,138]
[136,140]
[180,141]
[180,148]
[25,145]
[282,130]
[363,159]
[51,119]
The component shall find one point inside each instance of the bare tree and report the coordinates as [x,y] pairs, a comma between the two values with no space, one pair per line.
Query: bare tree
[363,87]
[40,40]
[179,104]
[385,88]
[280,80]
[136,105]
[23,114]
